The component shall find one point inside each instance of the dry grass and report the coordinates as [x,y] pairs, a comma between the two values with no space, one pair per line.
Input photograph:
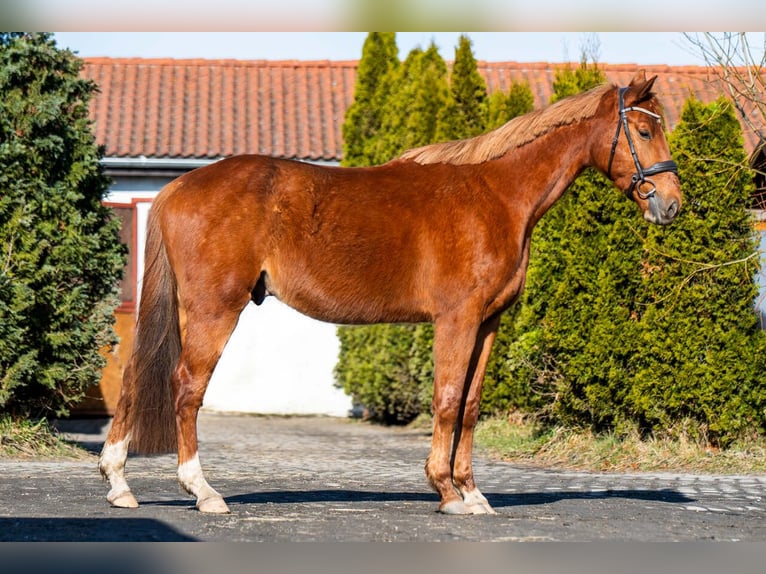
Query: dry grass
[34,439]
[526,443]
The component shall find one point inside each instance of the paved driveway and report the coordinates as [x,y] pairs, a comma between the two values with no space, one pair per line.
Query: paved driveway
[324,479]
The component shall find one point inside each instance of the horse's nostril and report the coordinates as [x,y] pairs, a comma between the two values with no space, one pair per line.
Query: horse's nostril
[672,210]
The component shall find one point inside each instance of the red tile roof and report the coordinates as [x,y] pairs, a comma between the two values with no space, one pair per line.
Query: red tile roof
[164,108]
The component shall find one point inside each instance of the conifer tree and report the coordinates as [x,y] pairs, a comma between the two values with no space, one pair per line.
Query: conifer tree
[569,82]
[625,326]
[387,368]
[418,94]
[503,107]
[380,59]
[61,256]
[701,355]
[465,114]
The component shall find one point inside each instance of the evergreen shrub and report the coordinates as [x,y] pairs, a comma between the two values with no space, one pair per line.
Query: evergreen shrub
[625,325]
[60,256]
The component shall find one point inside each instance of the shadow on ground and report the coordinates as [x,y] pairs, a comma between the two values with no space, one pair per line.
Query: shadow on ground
[498,500]
[88,530]
[89,432]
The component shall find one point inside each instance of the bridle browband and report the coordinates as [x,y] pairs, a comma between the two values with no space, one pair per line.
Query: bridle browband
[641,176]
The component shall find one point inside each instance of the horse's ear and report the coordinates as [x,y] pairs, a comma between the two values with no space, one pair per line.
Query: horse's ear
[642,87]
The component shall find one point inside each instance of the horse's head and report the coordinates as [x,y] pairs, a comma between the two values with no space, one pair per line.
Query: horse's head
[637,158]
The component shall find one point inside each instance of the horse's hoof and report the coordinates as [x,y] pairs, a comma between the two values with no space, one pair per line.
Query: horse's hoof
[213,505]
[454,507]
[477,502]
[123,500]
[481,508]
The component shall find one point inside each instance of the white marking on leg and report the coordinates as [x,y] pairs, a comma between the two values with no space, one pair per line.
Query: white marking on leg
[193,481]
[112,466]
[477,502]
[191,478]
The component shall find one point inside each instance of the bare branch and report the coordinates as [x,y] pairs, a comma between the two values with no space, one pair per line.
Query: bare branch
[741,69]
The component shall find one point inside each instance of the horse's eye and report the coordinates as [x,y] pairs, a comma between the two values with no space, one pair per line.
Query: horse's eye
[645,133]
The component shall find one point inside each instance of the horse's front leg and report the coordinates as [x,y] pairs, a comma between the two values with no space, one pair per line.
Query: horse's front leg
[462,465]
[454,342]
[203,345]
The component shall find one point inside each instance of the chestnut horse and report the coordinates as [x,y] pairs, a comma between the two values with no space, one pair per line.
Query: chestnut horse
[440,234]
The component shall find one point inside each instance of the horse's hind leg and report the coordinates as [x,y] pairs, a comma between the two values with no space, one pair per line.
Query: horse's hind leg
[206,336]
[462,467]
[115,454]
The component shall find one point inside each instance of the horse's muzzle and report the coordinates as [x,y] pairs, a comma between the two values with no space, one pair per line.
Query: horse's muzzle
[661,212]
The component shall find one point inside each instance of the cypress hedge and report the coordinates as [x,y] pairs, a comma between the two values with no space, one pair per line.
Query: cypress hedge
[627,326]
[60,257]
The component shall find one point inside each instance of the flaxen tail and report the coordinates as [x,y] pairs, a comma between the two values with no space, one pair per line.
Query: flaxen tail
[156,350]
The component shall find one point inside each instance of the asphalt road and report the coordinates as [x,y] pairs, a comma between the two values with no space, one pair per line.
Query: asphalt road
[335,480]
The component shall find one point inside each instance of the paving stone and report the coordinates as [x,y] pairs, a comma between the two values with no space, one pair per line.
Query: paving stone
[328,479]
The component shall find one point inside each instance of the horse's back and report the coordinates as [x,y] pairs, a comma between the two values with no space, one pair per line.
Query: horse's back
[345,245]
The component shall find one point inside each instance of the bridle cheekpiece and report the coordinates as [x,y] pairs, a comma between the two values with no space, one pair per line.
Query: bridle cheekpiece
[641,177]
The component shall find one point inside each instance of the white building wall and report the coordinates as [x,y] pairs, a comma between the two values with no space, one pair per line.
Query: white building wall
[277,361]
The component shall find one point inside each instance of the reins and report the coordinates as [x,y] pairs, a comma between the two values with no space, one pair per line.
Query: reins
[641,176]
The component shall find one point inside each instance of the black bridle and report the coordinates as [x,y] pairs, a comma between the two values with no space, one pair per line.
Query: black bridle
[641,176]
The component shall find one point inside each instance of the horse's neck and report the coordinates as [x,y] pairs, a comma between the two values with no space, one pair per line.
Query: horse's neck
[543,169]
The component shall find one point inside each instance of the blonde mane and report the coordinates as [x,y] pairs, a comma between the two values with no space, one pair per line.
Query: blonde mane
[516,133]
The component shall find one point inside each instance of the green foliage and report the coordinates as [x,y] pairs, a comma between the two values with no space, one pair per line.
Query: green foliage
[380,60]
[502,107]
[699,284]
[465,113]
[524,372]
[569,81]
[60,254]
[625,325]
[381,368]
[410,115]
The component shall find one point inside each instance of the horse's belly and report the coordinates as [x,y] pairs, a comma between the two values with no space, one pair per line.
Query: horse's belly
[347,299]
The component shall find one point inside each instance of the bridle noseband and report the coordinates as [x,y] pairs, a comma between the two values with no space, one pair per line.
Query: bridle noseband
[641,176]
